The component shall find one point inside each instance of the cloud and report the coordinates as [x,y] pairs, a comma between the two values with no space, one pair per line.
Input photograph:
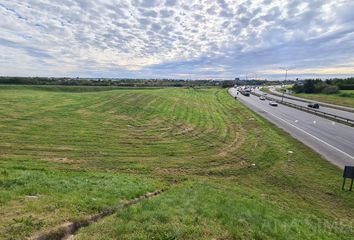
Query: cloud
[167,38]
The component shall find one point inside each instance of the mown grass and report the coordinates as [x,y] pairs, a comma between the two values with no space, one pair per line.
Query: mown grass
[32,200]
[69,88]
[343,98]
[79,153]
[208,210]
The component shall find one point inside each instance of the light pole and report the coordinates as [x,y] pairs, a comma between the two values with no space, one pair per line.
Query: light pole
[286,75]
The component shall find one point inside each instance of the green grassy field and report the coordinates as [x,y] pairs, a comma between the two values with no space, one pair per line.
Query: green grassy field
[344,97]
[227,172]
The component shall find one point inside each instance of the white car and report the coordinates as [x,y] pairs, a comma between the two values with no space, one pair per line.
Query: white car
[274,104]
[262,98]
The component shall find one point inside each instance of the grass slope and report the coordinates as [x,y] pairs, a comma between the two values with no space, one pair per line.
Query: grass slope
[80,153]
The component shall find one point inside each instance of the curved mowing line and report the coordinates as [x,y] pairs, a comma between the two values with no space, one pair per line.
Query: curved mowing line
[187,121]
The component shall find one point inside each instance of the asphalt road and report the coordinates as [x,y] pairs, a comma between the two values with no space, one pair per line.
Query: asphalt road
[334,141]
[344,108]
[333,111]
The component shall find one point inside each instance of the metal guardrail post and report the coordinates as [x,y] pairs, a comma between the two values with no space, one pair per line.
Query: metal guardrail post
[347,121]
[343,108]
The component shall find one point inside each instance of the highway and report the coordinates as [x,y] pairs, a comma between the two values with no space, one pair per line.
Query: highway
[344,108]
[329,110]
[334,141]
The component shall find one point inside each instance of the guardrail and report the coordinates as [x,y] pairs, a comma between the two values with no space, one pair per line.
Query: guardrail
[347,109]
[330,116]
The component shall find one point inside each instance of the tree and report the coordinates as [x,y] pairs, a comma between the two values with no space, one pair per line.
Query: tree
[309,86]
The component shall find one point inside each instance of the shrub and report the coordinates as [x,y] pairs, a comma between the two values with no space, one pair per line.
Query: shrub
[346,87]
[297,88]
[320,86]
[330,89]
[310,85]
[351,95]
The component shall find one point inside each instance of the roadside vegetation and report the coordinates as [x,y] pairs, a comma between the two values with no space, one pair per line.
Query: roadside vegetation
[122,82]
[329,86]
[228,173]
[334,91]
[342,97]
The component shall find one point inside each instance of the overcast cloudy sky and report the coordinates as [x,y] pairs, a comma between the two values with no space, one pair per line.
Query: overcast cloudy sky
[177,38]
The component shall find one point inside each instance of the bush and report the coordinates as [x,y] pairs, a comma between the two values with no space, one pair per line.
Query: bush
[320,86]
[310,85]
[346,87]
[227,84]
[297,88]
[330,90]
[351,95]
[329,86]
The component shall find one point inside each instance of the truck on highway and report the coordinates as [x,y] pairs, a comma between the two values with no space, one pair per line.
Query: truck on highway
[245,92]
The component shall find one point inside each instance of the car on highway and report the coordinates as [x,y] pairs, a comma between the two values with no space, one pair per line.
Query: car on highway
[262,98]
[272,103]
[314,105]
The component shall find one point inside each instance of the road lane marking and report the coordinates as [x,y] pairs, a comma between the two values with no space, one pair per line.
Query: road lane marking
[337,149]
[318,139]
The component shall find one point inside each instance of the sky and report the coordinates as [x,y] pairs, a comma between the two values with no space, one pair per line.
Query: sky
[180,39]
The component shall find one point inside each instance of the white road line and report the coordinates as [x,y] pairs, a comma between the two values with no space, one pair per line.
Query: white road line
[335,148]
[318,139]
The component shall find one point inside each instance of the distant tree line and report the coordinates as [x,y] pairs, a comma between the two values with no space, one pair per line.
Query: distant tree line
[129,82]
[255,82]
[329,86]
[105,82]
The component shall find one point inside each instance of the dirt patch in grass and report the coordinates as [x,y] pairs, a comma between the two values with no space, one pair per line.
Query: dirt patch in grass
[68,229]
[63,160]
